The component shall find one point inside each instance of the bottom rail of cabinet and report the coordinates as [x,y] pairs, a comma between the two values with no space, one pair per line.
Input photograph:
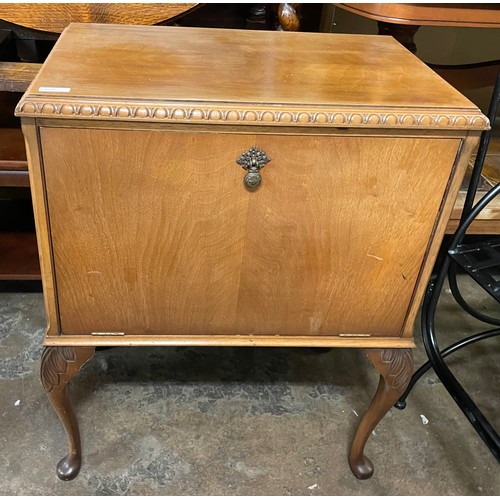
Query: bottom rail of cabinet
[231,340]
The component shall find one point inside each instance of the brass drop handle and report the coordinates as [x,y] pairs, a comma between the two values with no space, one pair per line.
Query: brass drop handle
[252,161]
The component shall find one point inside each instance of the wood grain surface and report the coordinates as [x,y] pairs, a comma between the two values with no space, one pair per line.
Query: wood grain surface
[230,340]
[154,233]
[38,195]
[147,228]
[460,164]
[54,17]
[195,74]
[339,233]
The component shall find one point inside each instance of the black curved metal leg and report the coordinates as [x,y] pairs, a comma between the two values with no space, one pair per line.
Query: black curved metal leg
[447,266]
[464,402]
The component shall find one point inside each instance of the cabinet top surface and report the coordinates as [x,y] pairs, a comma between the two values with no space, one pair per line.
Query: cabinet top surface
[233,76]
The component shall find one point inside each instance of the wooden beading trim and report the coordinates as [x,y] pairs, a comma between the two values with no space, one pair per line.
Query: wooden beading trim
[253,114]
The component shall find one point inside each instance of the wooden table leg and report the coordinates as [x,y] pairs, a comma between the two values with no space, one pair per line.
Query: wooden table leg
[59,365]
[396,368]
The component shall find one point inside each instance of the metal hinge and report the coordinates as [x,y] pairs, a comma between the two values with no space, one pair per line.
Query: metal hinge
[108,334]
[355,334]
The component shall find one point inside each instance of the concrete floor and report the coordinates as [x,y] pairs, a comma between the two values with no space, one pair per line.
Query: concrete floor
[240,421]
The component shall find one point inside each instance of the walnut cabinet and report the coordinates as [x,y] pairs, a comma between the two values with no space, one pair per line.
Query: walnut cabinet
[218,187]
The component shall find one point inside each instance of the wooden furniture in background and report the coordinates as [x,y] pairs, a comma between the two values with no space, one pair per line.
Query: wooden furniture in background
[402,21]
[149,234]
[18,249]
[16,76]
[472,15]
[54,17]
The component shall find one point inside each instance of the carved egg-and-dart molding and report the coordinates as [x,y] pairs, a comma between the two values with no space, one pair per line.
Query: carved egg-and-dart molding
[258,115]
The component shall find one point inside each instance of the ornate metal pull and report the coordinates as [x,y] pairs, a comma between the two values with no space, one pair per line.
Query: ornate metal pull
[253,160]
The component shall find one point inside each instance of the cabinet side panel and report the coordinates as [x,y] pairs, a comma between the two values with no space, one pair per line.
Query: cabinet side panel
[338,231]
[147,229]
[37,186]
[462,160]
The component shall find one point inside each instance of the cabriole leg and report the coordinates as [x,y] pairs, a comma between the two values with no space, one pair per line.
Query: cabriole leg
[59,365]
[395,367]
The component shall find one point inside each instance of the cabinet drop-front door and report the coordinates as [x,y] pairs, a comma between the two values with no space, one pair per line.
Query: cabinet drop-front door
[154,232]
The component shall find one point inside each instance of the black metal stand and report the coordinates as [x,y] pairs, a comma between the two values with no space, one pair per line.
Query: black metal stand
[482,262]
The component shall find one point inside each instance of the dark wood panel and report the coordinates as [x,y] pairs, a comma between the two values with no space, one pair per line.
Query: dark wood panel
[17,76]
[19,256]
[8,102]
[12,151]
[14,178]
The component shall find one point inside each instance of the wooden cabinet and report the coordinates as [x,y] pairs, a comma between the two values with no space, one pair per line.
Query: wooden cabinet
[150,231]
